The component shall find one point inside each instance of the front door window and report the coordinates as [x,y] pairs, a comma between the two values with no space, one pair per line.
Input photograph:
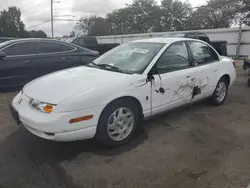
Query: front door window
[172,82]
[174,58]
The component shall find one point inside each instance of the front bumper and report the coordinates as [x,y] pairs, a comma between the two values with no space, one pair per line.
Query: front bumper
[83,134]
[56,126]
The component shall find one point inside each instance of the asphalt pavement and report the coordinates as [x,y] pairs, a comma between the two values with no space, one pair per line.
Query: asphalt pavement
[198,146]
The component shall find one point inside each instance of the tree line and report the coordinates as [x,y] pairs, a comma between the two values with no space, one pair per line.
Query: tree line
[142,16]
[11,25]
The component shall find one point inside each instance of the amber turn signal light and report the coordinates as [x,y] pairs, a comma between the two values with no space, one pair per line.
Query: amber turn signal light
[79,119]
[48,108]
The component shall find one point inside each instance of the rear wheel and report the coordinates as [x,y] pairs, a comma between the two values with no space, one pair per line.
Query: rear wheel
[118,123]
[220,94]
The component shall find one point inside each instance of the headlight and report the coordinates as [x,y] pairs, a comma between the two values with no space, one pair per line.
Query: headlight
[41,106]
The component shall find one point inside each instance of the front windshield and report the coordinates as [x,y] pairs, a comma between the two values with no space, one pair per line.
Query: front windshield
[131,57]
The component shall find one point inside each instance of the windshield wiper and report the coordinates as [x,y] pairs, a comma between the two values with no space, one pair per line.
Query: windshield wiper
[92,64]
[110,67]
[104,66]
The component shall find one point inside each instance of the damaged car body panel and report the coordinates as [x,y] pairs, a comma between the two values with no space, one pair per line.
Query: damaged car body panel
[142,78]
[184,75]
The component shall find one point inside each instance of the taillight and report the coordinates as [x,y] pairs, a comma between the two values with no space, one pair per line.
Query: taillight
[234,64]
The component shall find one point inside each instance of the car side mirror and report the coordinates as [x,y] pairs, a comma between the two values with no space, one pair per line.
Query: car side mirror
[151,74]
[150,77]
[2,55]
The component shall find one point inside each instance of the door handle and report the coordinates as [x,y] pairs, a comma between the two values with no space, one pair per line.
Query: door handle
[27,62]
[188,76]
[215,70]
[64,58]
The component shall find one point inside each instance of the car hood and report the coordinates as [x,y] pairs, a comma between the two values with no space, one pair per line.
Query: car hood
[57,87]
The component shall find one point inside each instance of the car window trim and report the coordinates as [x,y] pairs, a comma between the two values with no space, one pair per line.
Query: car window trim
[19,43]
[193,60]
[74,48]
[74,41]
[51,53]
[189,58]
[190,55]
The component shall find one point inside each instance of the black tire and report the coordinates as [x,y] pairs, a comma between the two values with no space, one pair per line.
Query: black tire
[214,98]
[102,133]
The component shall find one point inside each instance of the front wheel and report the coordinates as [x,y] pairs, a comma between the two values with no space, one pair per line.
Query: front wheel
[220,94]
[118,123]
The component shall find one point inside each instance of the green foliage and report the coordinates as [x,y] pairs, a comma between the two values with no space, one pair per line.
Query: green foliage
[216,14]
[10,22]
[93,25]
[12,26]
[244,11]
[175,15]
[143,16]
[72,34]
[120,20]
[37,34]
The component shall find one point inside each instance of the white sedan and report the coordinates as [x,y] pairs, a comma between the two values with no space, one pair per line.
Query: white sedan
[108,98]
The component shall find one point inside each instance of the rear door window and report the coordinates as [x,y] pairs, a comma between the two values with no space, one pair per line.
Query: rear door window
[22,48]
[49,47]
[202,53]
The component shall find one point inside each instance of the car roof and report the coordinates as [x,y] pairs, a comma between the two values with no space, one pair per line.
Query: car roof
[165,40]
[33,39]
[9,42]
[86,37]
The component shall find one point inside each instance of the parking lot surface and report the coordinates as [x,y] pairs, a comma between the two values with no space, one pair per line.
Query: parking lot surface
[192,147]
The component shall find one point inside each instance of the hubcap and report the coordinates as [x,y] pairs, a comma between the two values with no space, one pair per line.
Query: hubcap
[221,91]
[120,124]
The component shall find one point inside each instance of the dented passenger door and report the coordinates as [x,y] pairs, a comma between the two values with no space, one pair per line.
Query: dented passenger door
[205,61]
[173,82]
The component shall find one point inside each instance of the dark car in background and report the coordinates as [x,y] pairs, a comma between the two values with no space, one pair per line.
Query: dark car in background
[3,39]
[23,60]
[91,43]
[219,46]
[64,39]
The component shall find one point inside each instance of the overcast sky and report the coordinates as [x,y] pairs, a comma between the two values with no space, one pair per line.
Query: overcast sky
[36,13]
